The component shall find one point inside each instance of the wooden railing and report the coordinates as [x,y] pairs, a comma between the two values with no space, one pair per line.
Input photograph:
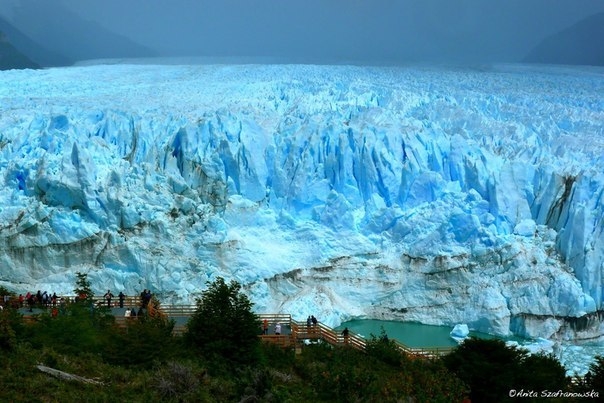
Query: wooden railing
[302,331]
[293,333]
[178,310]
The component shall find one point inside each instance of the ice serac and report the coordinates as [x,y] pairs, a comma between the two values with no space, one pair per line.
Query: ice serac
[436,195]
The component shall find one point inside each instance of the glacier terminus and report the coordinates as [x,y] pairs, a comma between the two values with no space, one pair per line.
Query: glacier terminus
[441,195]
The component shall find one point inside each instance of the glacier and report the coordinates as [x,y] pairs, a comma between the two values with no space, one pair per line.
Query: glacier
[435,194]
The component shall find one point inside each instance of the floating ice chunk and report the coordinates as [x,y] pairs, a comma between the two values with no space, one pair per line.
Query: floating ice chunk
[459,332]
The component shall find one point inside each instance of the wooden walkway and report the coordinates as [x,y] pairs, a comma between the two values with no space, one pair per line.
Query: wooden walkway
[294,334]
[297,334]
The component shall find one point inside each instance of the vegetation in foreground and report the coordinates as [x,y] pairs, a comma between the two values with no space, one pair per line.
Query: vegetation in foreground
[221,359]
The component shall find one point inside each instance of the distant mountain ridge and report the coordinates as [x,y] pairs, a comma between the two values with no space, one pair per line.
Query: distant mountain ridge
[580,44]
[66,40]
[70,38]
[11,58]
[31,50]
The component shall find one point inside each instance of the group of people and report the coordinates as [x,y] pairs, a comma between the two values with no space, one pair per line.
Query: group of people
[44,299]
[311,320]
[145,297]
[276,328]
[109,296]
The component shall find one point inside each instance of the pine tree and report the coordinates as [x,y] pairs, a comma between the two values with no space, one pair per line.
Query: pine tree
[223,324]
[82,290]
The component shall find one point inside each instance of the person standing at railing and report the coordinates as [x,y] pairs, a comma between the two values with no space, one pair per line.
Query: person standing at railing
[108,297]
[265,326]
[121,297]
[278,329]
[346,334]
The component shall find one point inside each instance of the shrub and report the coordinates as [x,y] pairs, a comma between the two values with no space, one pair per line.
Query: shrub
[488,367]
[141,342]
[75,330]
[594,379]
[541,372]
[176,381]
[224,325]
[491,369]
[8,337]
[384,349]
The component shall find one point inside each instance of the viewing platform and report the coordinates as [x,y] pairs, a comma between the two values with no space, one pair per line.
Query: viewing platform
[294,334]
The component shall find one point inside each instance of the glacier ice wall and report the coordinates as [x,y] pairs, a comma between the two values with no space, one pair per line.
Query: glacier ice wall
[428,194]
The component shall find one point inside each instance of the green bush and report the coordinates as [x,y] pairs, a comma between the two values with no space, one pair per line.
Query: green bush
[384,349]
[224,325]
[141,342]
[76,329]
[176,381]
[9,319]
[594,379]
[491,369]
[541,372]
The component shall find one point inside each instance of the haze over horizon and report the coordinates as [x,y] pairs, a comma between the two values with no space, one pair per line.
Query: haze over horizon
[382,31]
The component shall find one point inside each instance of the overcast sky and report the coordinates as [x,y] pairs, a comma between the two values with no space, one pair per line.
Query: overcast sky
[356,30]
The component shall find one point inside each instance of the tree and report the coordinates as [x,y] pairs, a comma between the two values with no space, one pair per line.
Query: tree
[224,324]
[82,290]
[594,379]
[491,369]
[488,367]
[384,349]
[541,372]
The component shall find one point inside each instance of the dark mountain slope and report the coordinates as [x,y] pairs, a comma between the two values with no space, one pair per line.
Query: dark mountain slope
[67,33]
[582,43]
[11,58]
[32,50]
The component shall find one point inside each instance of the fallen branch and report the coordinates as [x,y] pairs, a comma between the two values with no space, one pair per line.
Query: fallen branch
[65,376]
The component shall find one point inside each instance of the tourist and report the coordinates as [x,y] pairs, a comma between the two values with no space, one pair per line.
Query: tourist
[345,333]
[127,313]
[314,320]
[108,297]
[147,298]
[278,329]
[30,301]
[121,297]
[265,326]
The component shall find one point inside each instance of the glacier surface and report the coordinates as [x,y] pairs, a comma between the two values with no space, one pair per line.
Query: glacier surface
[430,194]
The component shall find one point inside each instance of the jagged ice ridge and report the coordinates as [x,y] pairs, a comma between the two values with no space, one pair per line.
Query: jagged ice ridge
[439,195]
